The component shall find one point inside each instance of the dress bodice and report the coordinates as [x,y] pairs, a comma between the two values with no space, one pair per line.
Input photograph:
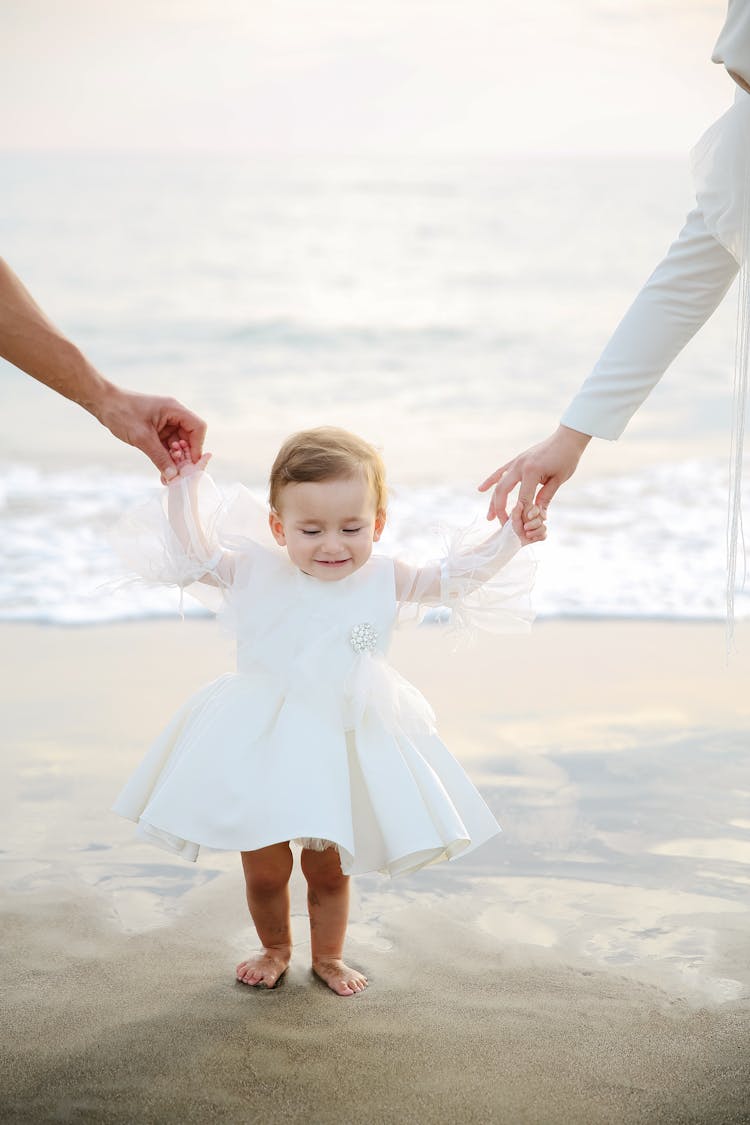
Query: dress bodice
[292,628]
[287,620]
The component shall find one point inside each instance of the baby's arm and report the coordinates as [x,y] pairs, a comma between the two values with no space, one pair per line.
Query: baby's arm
[461,572]
[183,510]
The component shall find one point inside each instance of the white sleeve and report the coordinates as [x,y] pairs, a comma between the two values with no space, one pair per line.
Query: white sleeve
[173,539]
[485,584]
[193,505]
[679,297]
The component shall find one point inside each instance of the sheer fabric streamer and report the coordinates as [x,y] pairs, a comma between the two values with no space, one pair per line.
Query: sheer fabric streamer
[721,166]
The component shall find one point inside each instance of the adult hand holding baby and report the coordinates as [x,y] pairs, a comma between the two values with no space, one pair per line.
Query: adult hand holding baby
[30,341]
[549,464]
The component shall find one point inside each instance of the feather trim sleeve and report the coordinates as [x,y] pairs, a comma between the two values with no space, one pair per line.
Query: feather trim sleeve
[485,583]
[192,536]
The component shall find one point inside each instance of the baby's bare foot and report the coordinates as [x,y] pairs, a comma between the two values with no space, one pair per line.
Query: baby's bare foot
[338,976]
[264,968]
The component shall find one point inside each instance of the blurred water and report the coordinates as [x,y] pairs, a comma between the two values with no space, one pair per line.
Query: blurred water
[446,310]
[633,546]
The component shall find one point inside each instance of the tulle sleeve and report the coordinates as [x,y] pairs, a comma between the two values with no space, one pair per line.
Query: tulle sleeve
[193,537]
[485,583]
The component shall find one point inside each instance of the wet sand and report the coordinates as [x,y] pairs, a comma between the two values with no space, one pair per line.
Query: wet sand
[590,965]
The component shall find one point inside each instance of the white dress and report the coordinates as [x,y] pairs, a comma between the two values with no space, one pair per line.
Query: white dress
[315,737]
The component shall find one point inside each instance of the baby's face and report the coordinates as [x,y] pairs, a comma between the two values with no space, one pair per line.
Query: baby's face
[328,527]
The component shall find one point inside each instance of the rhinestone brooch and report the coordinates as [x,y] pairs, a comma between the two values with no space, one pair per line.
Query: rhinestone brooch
[363,637]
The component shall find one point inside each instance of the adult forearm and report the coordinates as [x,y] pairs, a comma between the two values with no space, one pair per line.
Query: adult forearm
[679,297]
[52,359]
[30,341]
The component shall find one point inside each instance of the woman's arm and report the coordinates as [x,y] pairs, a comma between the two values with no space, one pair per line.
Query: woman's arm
[683,291]
[679,297]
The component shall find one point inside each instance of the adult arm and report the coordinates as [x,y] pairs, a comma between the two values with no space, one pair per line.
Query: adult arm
[679,297]
[30,341]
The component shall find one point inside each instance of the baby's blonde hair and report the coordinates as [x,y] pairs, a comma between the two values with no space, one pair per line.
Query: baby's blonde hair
[327,453]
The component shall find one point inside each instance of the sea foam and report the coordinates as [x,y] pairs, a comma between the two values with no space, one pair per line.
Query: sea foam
[645,545]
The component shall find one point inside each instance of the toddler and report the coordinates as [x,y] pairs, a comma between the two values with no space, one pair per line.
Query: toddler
[315,739]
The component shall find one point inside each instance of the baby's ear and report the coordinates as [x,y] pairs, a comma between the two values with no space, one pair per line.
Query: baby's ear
[277,528]
[379,524]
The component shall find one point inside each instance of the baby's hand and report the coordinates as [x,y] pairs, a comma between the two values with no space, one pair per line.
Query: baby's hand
[179,451]
[534,526]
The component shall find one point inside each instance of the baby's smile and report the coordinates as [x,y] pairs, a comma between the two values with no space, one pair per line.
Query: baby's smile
[328,516]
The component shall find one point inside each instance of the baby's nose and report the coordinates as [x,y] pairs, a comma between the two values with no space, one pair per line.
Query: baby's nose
[332,544]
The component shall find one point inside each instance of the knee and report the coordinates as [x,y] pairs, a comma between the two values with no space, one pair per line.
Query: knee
[266,881]
[266,876]
[323,873]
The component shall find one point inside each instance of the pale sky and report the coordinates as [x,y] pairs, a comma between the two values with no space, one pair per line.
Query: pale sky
[360,76]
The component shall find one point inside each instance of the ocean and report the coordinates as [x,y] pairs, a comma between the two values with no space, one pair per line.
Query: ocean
[447,310]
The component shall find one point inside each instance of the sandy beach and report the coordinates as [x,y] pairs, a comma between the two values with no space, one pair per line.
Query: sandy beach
[590,965]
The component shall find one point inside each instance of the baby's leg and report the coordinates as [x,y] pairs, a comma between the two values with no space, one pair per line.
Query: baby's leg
[328,904]
[267,872]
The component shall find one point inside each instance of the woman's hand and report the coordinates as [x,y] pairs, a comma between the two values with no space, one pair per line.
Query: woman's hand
[549,464]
